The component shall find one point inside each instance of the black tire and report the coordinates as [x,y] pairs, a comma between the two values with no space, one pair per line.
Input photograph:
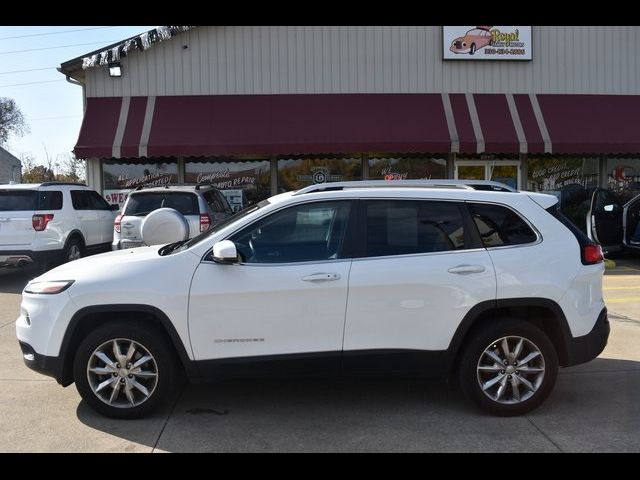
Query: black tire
[73,245]
[153,341]
[482,339]
[472,49]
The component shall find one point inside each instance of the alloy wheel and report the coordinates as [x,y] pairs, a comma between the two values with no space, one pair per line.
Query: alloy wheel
[511,370]
[122,373]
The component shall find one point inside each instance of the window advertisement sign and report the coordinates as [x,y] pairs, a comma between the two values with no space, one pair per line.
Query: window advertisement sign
[242,182]
[487,43]
[122,177]
[296,173]
[407,168]
[571,179]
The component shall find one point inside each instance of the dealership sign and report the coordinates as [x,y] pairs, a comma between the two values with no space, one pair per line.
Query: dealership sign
[486,43]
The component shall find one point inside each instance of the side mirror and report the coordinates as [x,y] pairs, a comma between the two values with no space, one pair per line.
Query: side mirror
[115,207]
[225,252]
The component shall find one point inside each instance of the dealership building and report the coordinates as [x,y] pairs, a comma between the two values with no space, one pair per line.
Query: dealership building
[267,109]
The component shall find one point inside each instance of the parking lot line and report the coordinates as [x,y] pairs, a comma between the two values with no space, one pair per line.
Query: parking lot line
[627,268]
[621,288]
[623,300]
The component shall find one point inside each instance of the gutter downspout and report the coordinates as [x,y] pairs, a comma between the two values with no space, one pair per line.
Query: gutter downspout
[84,89]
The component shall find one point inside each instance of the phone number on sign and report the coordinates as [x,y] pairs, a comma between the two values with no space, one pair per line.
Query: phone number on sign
[504,51]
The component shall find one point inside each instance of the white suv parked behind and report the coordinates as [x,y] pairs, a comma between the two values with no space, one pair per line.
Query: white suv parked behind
[495,288]
[53,222]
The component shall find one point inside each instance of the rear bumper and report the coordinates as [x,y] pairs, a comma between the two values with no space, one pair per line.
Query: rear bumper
[23,258]
[586,348]
[124,245]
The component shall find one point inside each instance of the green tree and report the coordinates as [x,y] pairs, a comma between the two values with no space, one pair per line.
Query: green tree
[11,120]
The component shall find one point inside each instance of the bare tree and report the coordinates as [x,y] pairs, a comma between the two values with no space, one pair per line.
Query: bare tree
[72,168]
[28,162]
[11,120]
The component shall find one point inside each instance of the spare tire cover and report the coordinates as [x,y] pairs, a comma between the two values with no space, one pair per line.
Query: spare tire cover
[165,225]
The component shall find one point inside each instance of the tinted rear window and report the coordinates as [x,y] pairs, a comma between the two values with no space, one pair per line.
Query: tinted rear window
[25,200]
[500,226]
[562,218]
[144,203]
[17,200]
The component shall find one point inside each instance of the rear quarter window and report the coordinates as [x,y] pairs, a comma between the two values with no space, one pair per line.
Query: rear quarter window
[18,200]
[500,226]
[145,203]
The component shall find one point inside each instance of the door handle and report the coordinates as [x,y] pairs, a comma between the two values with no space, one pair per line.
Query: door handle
[464,269]
[321,277]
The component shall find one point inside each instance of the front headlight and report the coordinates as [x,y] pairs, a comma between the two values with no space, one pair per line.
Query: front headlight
[48,288]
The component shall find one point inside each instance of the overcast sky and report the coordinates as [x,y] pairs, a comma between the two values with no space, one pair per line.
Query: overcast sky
[52,110]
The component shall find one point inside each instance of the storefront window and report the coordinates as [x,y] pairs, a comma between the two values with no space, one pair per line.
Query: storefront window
[554,173]
[623,177]
[242,182]
[296,173]
[121,177]
[407,168]
[571,179]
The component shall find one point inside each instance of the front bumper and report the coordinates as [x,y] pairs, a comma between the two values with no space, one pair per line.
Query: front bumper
[49,366]
[589,346]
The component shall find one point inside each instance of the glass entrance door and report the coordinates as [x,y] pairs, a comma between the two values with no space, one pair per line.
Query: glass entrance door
[507,172]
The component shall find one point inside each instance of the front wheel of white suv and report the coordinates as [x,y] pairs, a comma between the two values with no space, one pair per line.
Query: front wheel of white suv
[508,367]
[124,370]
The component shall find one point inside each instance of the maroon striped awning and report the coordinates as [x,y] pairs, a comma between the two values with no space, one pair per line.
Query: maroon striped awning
[221,125]
[98,127]
[592,124]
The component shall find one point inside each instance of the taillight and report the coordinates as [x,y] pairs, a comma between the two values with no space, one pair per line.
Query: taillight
[591,254]
[40,221]
[116,223]
[205,222]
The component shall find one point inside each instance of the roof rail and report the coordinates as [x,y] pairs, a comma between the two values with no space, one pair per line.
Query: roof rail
[443,183]
[55,184]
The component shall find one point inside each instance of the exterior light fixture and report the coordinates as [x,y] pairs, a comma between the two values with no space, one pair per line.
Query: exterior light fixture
[115,69]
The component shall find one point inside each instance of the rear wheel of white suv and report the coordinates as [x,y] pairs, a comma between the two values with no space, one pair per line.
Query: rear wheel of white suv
[73,250]
[124,369]
[509,367]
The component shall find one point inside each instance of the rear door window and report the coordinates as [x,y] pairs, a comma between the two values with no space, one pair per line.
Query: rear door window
[500,226]
[398,227]
[141,204]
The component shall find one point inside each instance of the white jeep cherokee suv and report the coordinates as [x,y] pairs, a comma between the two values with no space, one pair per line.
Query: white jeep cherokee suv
[53,222]
[441,279]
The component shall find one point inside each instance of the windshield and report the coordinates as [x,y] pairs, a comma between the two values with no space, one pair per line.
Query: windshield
[180,246]
[142,204]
